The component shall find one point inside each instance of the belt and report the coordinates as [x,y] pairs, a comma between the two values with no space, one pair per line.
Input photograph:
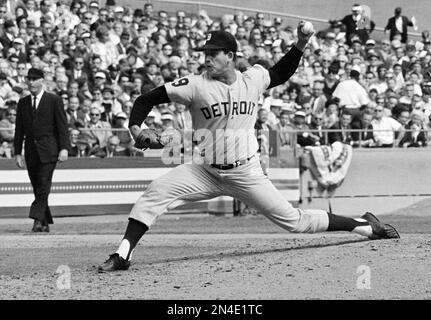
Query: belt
[232,165]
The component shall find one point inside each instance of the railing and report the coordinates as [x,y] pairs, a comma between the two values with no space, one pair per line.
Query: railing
[293,137]
[195,6]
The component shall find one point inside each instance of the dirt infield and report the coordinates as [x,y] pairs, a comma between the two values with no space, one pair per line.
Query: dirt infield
[208,257]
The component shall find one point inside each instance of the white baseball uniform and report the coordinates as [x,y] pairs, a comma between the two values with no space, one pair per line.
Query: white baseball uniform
[223,120]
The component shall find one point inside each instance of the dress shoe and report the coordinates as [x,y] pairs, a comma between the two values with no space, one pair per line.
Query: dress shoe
[45,228]
[37,226]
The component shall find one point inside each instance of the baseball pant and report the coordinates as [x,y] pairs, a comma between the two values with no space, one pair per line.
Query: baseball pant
[194,182]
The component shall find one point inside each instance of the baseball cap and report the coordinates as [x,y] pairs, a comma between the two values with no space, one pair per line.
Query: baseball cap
[330,35]
[119,9]
[94,4]
[18,40]
[370,42]
[356,68]
[219,40]
[356,7]
[277,103]
[372,53]
[267,42]
[300,114]
[167,116]
[121,115]
[100,75]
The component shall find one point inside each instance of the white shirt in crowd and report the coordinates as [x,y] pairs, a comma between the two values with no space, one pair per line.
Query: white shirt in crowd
[351,94]
[385,123]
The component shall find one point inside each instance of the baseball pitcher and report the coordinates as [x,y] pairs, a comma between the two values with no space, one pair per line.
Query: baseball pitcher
[224,104]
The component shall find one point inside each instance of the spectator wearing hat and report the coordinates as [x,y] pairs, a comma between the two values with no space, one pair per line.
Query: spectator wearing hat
[121,122]
[397,25]
[19,45]
[304,137]
[114,73]
[6,39]
[167,121]
[78,146]
[123,45]
[331,80]
[153,121]
[329,45]
[357,24]
[110,5]
[46,142]
[93,8]
[109,105]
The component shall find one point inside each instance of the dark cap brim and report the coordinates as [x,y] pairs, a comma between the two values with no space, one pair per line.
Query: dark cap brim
[210,47]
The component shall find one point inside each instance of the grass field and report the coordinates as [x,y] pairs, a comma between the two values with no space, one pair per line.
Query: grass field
[215,257]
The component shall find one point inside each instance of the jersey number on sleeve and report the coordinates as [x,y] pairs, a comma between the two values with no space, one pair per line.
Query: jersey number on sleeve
[181,82]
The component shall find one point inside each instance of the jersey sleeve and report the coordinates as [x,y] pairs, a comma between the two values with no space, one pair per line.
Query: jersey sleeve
[259,77]
[181,90]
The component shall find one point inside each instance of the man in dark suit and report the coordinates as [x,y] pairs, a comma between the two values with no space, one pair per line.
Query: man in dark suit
[78,71]
[343,134]
[41,123]
[398,25]
[6,39]
[358,25]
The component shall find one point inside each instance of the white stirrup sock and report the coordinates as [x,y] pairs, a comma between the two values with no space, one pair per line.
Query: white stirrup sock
[123,249]
[363,230]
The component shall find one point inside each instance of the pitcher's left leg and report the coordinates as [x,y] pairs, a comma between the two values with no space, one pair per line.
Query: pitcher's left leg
[251,186]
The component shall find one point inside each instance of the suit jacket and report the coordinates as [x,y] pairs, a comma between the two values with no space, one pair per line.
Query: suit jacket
[391,26]
[367,134]
[44,132]
[419,141]
[104,153]
[338,136]
[74,122]
[97,137]
[352,29]
[71,75]
[6,43]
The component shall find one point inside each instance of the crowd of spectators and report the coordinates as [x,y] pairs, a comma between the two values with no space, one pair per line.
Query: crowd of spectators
[100,57]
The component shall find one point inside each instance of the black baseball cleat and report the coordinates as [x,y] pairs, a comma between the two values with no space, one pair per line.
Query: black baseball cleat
[114,263]
[380,230]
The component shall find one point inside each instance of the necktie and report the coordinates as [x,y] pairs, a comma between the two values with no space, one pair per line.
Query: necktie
[34,104]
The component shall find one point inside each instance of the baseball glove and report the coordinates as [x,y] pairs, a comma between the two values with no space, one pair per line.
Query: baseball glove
[148,138]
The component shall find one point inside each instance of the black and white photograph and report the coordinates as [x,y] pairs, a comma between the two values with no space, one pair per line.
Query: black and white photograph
[213,155]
